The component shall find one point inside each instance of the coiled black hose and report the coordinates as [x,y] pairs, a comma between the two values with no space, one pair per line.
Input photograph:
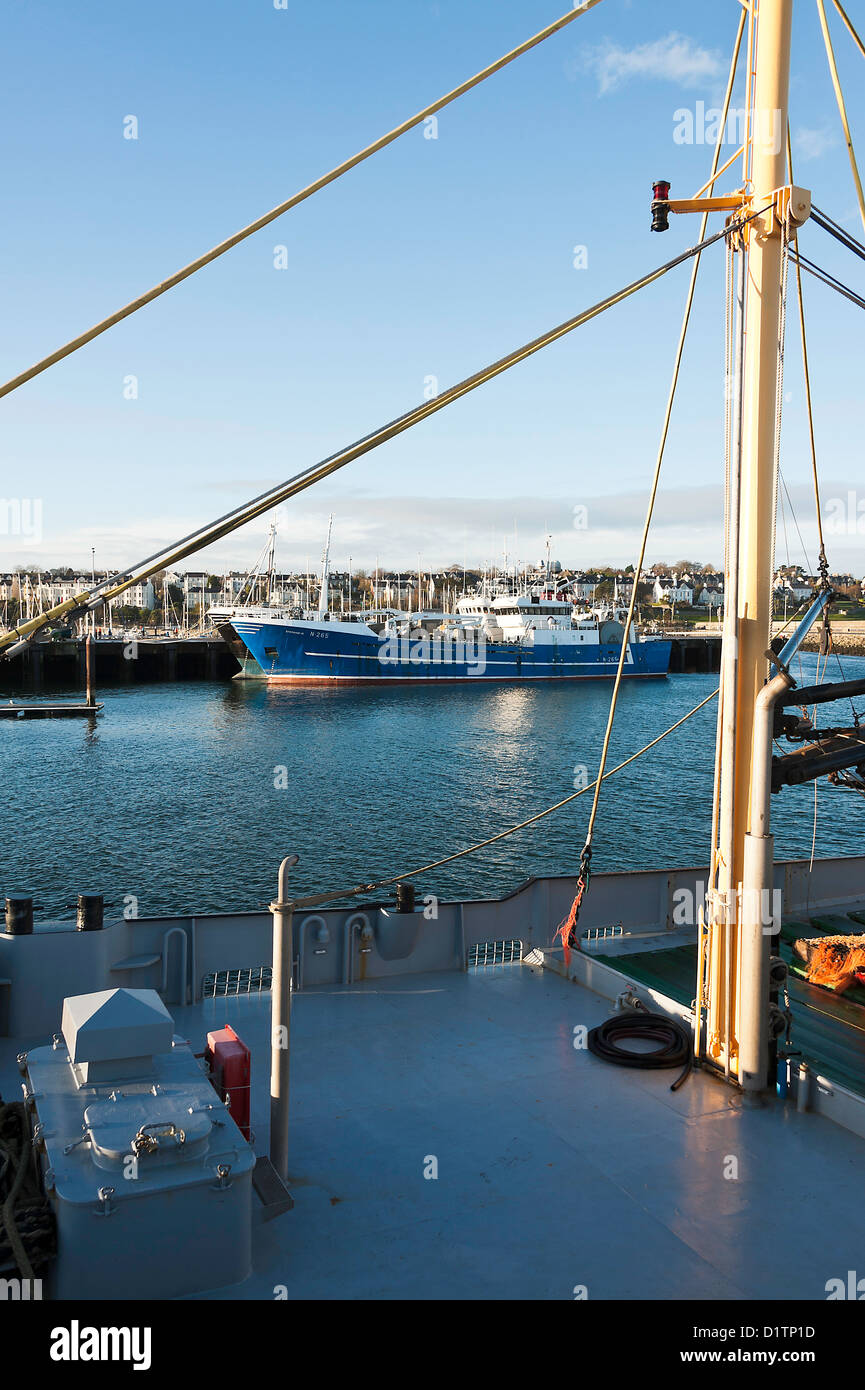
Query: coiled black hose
[674,1043]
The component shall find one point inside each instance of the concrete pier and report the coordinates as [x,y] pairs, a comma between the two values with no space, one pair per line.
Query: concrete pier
[695,652]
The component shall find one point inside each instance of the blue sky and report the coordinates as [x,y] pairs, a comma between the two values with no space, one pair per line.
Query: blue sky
[432,259]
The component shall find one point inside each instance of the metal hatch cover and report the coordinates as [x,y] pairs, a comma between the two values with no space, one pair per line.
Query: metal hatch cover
[153,1129]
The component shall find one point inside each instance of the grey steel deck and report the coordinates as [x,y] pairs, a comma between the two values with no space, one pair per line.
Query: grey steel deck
[554,1170]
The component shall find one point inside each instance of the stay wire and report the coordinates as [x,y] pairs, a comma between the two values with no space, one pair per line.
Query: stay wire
[266,501]
[729,231]
[827,279]
[315,187]
[847,240]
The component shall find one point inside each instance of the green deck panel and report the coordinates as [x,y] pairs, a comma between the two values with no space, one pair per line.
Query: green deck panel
[828,1028]
[794,929]
[836,923]
[672,972]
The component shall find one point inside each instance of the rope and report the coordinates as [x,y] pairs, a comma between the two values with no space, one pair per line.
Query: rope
[206,535]
[730,299]
[823,563]
[14,1151]
[318,899]
[842,109]
[75,343]
[779,394]
[567,929]
[21,1190]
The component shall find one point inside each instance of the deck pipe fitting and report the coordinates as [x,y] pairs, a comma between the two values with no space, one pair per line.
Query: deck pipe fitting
[19,914]
[803,1090]
[321,937]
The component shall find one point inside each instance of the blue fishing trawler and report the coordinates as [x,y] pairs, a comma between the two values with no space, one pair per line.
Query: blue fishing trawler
[529,636]
[525,637]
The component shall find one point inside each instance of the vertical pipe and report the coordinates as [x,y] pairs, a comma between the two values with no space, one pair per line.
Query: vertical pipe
[282,911]
[757,883]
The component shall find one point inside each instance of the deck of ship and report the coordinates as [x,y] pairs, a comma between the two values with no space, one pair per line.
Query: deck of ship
[555,1170]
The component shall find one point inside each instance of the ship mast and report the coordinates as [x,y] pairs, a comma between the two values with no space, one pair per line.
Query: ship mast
[740,911]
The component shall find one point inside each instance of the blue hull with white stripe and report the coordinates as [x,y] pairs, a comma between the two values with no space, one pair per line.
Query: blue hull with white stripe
[326,654]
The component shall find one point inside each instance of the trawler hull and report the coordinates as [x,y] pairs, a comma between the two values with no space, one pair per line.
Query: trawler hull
[325,654]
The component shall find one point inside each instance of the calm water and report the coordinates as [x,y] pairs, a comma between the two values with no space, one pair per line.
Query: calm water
[171,794]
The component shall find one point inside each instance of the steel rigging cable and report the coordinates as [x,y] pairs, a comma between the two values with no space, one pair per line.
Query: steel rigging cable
[827,279]
[826,222]
[112,586]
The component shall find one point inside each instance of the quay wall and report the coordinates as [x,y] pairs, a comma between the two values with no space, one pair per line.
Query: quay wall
[118,662]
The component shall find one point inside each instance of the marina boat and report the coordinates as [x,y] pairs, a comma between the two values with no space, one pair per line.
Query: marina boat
[592,1087]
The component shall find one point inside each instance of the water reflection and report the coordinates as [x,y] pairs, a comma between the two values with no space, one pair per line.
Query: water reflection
[184,808]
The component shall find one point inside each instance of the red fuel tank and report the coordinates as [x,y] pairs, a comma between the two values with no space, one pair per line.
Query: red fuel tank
[229,1061]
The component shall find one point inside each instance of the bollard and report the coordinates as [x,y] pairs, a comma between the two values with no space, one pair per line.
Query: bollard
[405,897]
[90,911]
[19,914]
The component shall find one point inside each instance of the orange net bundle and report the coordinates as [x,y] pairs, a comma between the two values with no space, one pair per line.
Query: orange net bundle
[835,962]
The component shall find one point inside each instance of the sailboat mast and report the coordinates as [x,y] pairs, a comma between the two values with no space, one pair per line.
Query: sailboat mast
[738,977]
[324,594]
[271,552]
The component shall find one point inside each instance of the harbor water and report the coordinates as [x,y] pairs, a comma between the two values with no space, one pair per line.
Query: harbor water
[183,798]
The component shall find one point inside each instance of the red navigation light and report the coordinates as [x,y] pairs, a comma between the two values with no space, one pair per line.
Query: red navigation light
[660,210]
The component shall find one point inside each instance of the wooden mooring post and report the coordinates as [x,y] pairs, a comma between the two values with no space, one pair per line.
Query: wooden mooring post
[88,667]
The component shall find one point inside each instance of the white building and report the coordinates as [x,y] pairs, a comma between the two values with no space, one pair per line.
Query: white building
[673,591]
[140,595]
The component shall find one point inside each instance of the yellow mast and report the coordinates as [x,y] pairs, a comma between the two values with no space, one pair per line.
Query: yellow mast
[738,991]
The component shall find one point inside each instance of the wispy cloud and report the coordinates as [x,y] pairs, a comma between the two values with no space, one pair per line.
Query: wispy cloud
[587,528]
[813,143]
[675,58]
